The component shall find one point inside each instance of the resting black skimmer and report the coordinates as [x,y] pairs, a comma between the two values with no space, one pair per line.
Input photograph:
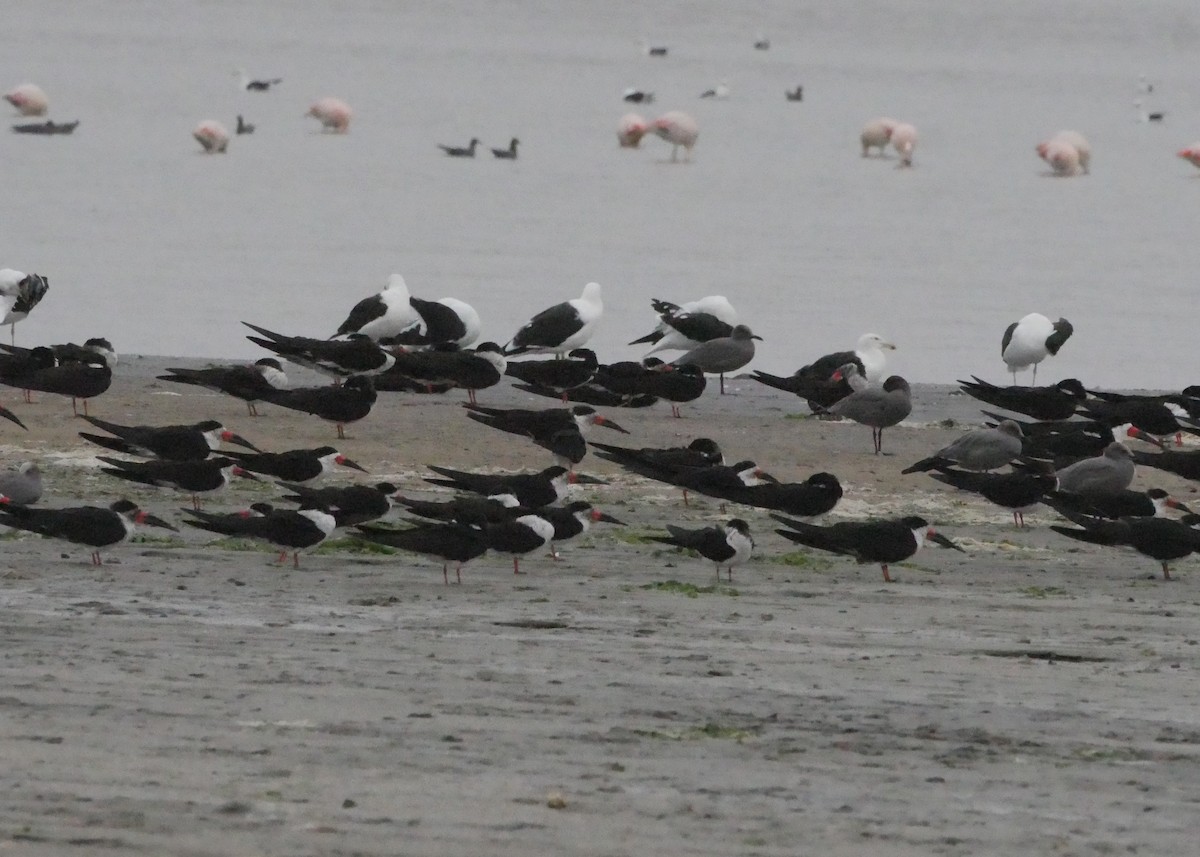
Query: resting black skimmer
[1019,492]
[579,368]
[467,151]
[560,430]
[19,294]
[682,327]
[341,405]
[518,537]
[94,526]
[729,545]
[1181,463]
[446,321]
[1055,402]
[713,480]
[979,449]
[386,314]
[1031,340]
[877,407]
[816,495]
[295,465]
[349,504]
[337,358]
[1125,504]
[531,489]
[1150,415]
[246,382]
[562,327]
[289,531]
[815,382]
[22,486]
[176,443]
[884,542]
[509,154]
[451,542]
[42,372]
[675,384]
[446,366]
[194,477]
[1162,539]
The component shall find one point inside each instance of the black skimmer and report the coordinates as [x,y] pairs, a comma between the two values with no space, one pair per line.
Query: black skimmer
[518,537]
[1124,504]
[815,382]
[877,407]
[727,545]
[701,452]
[176,443]
[467,151]
[19,294]
[451,542]
[11,417]
[194,477]
[97,346]
[259,85]
[295,465]
[682,327]
[796,94]
[1161,539]
[244,127]
[1055,402]
[571,520]
[383,315]
[559,430]
[1185,464]
[675,384]
[980,449]
[1065,443]
[1101,476]
[762,43]
[884,542]
[349,504]
[532,490]
[713,480]
[562,327]
[633,95]
[590,394]
[509,154]
[446,321]
[23,486]
[1031,340]
[1019,492]
[1149,415]
[94,526]
[816,495]
[337,358]
[577,369]
[48,128]
[448,366]
[655,50]
[722,355]
[77,380]
[290,531]
[245,382]
[467,508]
[341,405]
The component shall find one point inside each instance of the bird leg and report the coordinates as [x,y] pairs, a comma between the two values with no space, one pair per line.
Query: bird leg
[341,431]
[282,556]
[722,377]
[887,578]
[251,410]
[196,502]
[729,571]
[516,565]
[96,558]
[554,554]
[685,498]
[295,558]
[471,396]
[458,573]
[675,411]
[445,574]
[28,394]
[1166,572]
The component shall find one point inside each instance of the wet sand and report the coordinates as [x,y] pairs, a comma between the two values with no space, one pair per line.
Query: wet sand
[1031,696]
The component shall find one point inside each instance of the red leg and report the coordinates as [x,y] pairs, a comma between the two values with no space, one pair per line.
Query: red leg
[516,565]
[295,558]
[887,578]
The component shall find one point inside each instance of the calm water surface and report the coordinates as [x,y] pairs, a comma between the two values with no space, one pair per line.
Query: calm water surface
[166,250]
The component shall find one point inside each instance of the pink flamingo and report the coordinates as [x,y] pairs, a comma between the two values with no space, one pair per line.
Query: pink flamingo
[212,136]
[630,129]
[333,113]
[876,134]
[678,129]
[1191,154]
[29,99]
[904,141]
[1064,164]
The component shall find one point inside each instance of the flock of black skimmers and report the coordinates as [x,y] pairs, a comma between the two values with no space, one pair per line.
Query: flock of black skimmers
[1063,444]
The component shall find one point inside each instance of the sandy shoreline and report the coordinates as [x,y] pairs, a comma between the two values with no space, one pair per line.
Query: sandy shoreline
[1032,695]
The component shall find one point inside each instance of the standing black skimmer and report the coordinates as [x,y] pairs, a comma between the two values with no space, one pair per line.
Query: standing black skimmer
[532,490]
[980,449]
[727,545]
[1031,340]
[815,382]
[337,358]
[446,365]
[1018,492]
[884,542]
[1056,402]
[713,480]
[684,327]
[176,443]
[93,526]
[1125,504]
[194,477]
[345,404]
[383,315]
[701,452]
[261,85]
[289,531]
[675,384]
[1185,464]
[43,373]
[559,430]
[446,321]
[518,537]
[295,465]
[467,151]
[561,375]
[572,520]
[589,394]
[1150,415]
[245,382]
[721,355]
[1104,475]
[877,407]
[452,542]
[562,327]
[509,154]
[349,504]
[244,127]
[23,486]
[19,294]
[1161,539]
[816,495]
[468,508]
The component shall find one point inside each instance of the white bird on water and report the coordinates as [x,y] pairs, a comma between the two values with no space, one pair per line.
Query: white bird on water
[678,129]
[29,99]
[333,114]
[212,136]
[631,128]
[876,134]
[904,141]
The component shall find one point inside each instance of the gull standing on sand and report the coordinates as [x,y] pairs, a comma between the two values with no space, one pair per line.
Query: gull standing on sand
[1031,340]
[877,407]
[678,129]
[386,314]
[1101,476]
[561,328]
[981,449]
[876,134]
[19,294]
[685,326]
[22,486]
[724,354]
[813,382]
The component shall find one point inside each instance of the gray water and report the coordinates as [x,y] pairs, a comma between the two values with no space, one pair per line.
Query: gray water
[165,250]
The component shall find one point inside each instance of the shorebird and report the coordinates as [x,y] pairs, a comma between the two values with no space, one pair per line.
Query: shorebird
[686,326]
[562,327]
[559,430]
[981,449]
[470,370]
[192,442]
[333,114]
[884,542]
[97,527]
[814,382]
[194,477]
[248,382]
[19,294]
[295,465]
[446,321]
[1162,539]
[349,504]
[289,531]
[386,314]
[1031,340]
[359,354]
[725,545]
[561,375]
[1018,492]
[1055,402]
[450,542]
[348,403]
[531,490]
[1109,473]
